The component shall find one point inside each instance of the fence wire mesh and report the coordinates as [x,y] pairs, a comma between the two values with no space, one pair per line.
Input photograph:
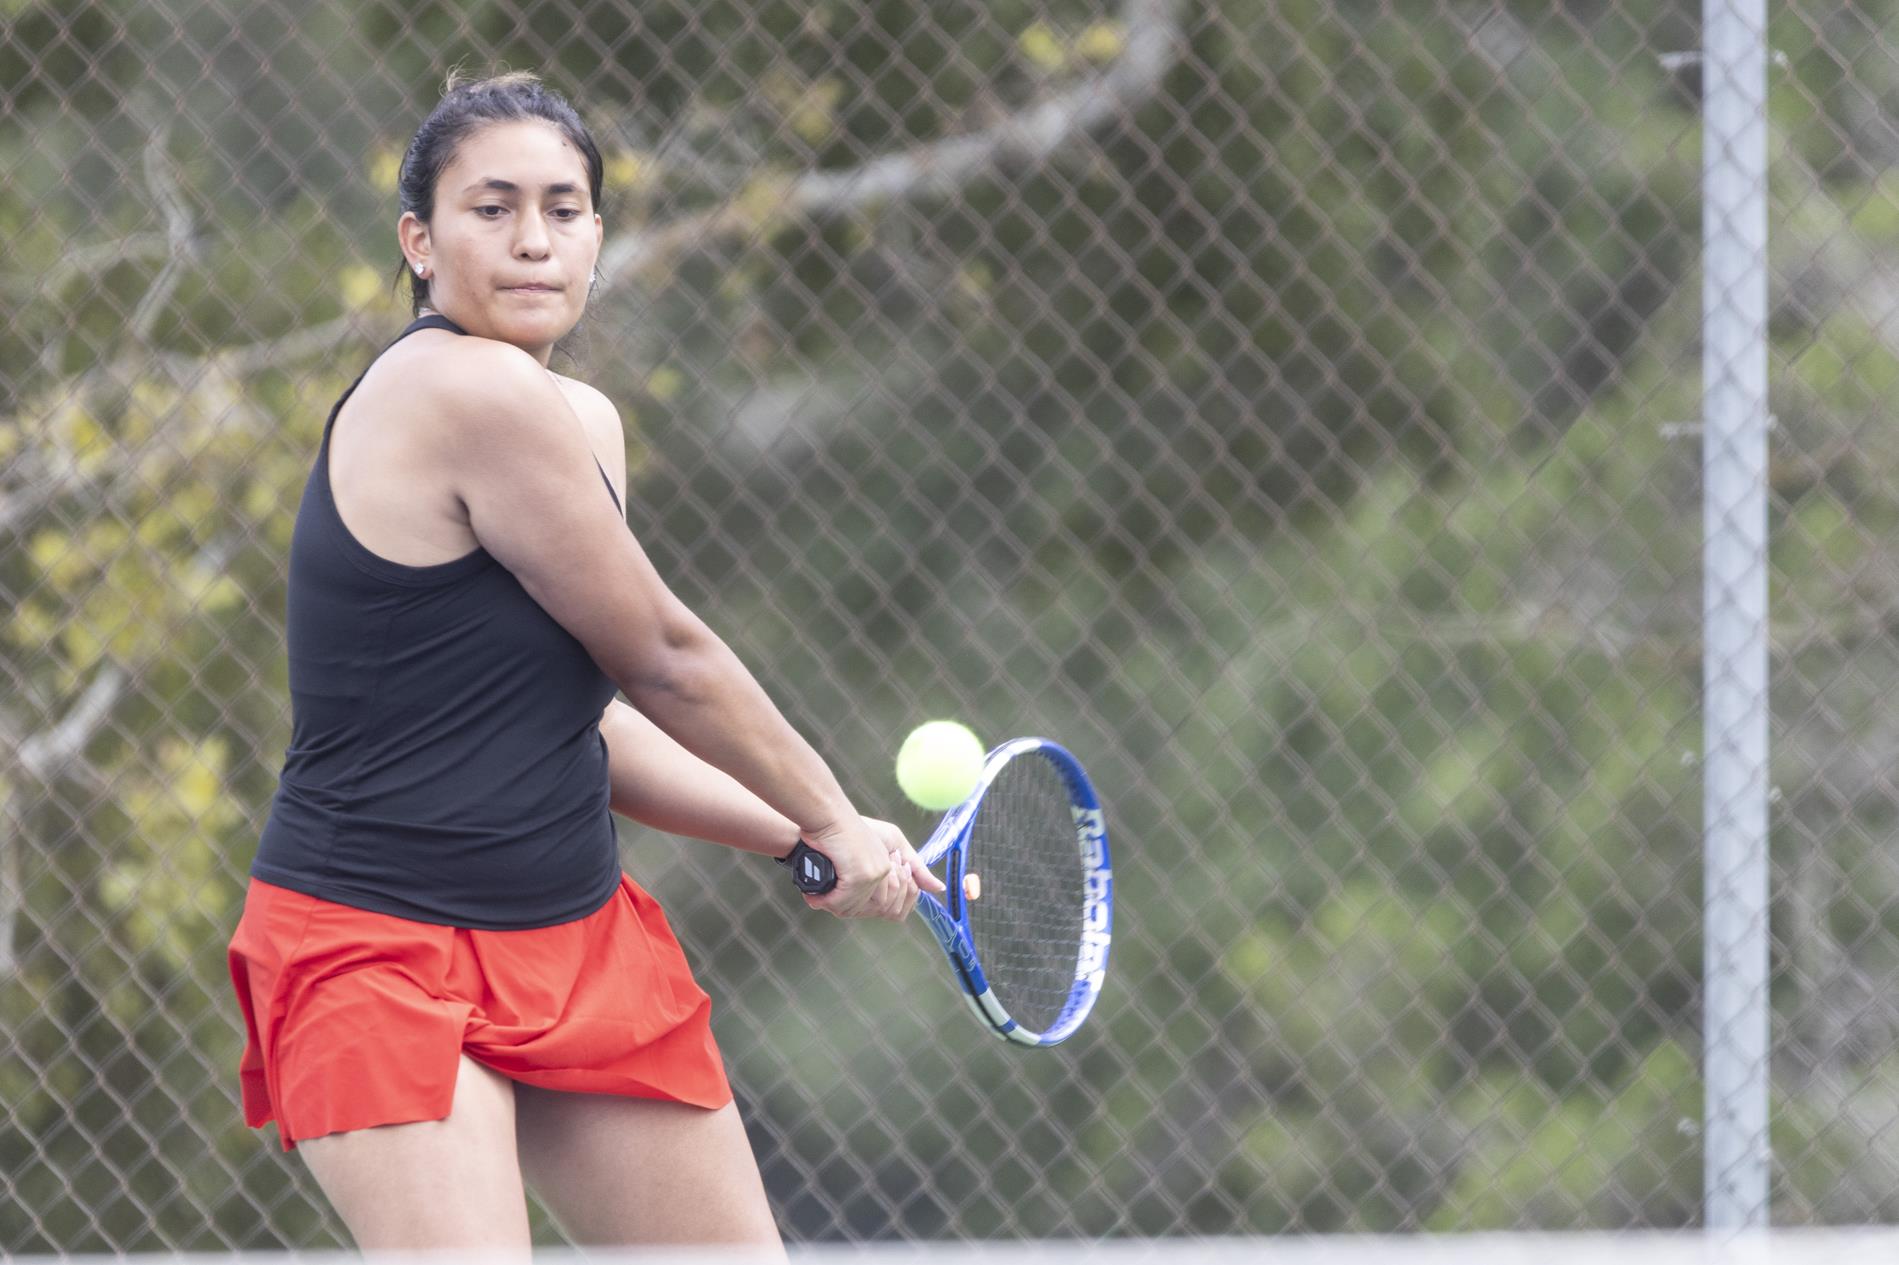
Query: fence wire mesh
[1291,407]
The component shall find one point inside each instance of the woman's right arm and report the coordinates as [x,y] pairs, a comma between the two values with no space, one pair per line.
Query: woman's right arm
[517,458]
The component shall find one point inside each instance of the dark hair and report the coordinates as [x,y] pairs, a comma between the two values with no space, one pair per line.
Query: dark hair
[468,105]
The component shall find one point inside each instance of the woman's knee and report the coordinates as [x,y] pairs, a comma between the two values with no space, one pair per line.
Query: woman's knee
[454,1182]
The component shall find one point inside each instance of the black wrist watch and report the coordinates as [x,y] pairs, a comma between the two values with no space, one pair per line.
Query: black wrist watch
[811,871]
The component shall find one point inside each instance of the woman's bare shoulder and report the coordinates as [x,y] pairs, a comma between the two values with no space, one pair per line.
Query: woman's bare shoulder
[595,409]
[585,394]
[440,366]
[469,371]
[460,388]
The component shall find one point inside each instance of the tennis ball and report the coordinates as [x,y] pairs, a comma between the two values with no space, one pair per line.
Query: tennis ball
[938,764]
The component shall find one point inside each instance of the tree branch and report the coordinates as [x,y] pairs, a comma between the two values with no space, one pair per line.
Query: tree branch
[1153,30]
[178,232]
[41,757]
[80,260]
[58,751]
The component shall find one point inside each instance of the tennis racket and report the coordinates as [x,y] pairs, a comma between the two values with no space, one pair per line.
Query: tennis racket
[1030,906]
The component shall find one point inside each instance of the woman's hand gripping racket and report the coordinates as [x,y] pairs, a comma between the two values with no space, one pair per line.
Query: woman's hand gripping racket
[1030,904]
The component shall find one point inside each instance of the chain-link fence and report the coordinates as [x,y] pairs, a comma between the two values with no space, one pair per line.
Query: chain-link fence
[1289,406]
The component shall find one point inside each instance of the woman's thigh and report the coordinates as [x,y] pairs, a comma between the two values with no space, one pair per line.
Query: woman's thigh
[432,1183]
[613,1170]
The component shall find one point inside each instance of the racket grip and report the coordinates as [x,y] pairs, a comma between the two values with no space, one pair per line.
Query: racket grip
[811,871]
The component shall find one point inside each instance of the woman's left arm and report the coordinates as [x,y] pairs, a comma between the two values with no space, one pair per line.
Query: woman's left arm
[658,783]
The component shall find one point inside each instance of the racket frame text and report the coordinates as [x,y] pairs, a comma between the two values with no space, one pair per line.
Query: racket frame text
[950,923]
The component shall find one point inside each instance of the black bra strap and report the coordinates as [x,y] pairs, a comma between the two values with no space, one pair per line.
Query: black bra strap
[432,320]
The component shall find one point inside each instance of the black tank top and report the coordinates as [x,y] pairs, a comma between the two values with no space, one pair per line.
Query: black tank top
[445,762]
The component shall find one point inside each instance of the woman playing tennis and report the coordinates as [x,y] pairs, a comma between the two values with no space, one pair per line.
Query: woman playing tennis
[453,992]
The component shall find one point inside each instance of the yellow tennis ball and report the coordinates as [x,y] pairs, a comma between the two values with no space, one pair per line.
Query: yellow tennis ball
[938,764]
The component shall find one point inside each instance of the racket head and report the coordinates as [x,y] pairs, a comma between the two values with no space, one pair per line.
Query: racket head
[1028,938]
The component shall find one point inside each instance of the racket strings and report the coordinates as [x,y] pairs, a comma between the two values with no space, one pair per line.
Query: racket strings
[1027,920]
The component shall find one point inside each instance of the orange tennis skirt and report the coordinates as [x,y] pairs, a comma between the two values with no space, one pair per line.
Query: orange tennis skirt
[358,1018]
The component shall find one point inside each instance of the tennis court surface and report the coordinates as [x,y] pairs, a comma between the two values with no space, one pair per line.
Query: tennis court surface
[1788,1247]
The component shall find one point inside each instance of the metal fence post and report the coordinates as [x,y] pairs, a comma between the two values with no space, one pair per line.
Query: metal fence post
[1734,579]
